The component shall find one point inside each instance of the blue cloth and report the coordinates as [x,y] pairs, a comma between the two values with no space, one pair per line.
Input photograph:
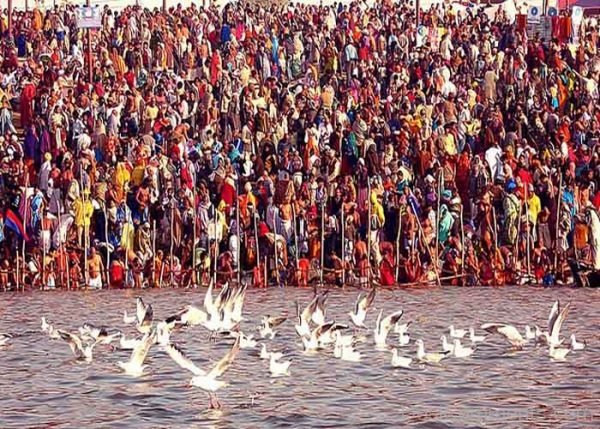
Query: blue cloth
[225,33]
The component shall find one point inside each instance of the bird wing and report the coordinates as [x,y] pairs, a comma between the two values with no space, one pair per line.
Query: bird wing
[273,322]
[391,320]
[74,342]
[225,361]
[553,315]
[182,360]
[194,316]
[337,327]
[148,316]
[140,309]
[321,329]
[140,351]
[378,322]
[507,331]
[555,331]
[359,303]
[309,310]
[368,301]
[208,301]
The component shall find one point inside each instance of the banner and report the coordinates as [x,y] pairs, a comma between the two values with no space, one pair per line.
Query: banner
[89,17]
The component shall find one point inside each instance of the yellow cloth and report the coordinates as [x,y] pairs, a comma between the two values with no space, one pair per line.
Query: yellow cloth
[137,175]
[535,207]
[83,212]
[449,144]
[377,208]
[127,236]
[121,176]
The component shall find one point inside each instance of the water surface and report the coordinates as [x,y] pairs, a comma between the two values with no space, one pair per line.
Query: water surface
[43,386]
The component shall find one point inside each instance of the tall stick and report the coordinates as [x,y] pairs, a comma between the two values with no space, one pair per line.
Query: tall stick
[154,252]
[239,236]
[275,256]
[216,255]
[256,238]
[557,234]
[516,250]
[25,228]
[369,230]
[106,241]
[437,219]
[495,228]
[194,232]
[528,243]
[398,243]
[343,222]
[171,223]
[126,267]
[437,274]
[462,242]
[18,274]
[322,240]
[297,252]
[43,255]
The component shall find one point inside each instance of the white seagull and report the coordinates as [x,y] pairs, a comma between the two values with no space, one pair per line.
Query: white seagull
[45,325]
[304,318]
[206,381]
[402,328]
[129,319]
[128,344]
[279,369]
[446,346]
[318,315]
[246,342]
[428,357]
[81,351]
[555,321]
[321,335]
[509,332]
[575,345]
[530,333]
[268,323]
[384,325]
[135,366]
[264,354]
[461,351]
[456,333]
[476,338]
[99,334]
[145,316]
[400,361]
[363,302]
[347,353]
[4,339]
[558,353]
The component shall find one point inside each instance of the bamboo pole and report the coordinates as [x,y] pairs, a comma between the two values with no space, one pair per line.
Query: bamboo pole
[239,236]
[462,241]
[343,222]
[18,274]
[194,233]
[43,255]
[369,208]
[297,252]
[256,238]
[275,256]
[25,229]
[495,228]
[216,244]
[126,267]
[437,219]
[171,226]
[528,242]
[106,248]
[153,277]
[516,250]
[437,274]
[557,234]
[322,240]
[398,243]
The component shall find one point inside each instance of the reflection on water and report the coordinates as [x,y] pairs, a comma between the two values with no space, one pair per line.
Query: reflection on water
[43,386]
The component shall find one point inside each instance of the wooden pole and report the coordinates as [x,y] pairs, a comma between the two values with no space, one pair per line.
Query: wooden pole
[516,250]
[495,228]
[462,241]
[398,243]
[343,226]
[107,268]
[322,240]
[216,255]
[297,252]
[26,207]
[437,274]
[557,234]
[43,255]
[239,236]
[528,243]
[171,223]
[10,12]
[437,220]
[194,234]
[126,267]
[369,230]
[275,256]
[18,274]
[153,252]
[256,238]
[89,52]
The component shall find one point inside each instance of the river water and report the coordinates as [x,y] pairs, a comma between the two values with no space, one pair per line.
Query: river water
[42,386]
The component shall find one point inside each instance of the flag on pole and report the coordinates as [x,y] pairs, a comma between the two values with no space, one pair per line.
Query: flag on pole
[14,222]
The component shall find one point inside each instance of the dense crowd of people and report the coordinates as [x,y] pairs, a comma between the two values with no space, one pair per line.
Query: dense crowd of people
[295,144]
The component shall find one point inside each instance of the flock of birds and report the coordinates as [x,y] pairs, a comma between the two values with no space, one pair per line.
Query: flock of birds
[222,317]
